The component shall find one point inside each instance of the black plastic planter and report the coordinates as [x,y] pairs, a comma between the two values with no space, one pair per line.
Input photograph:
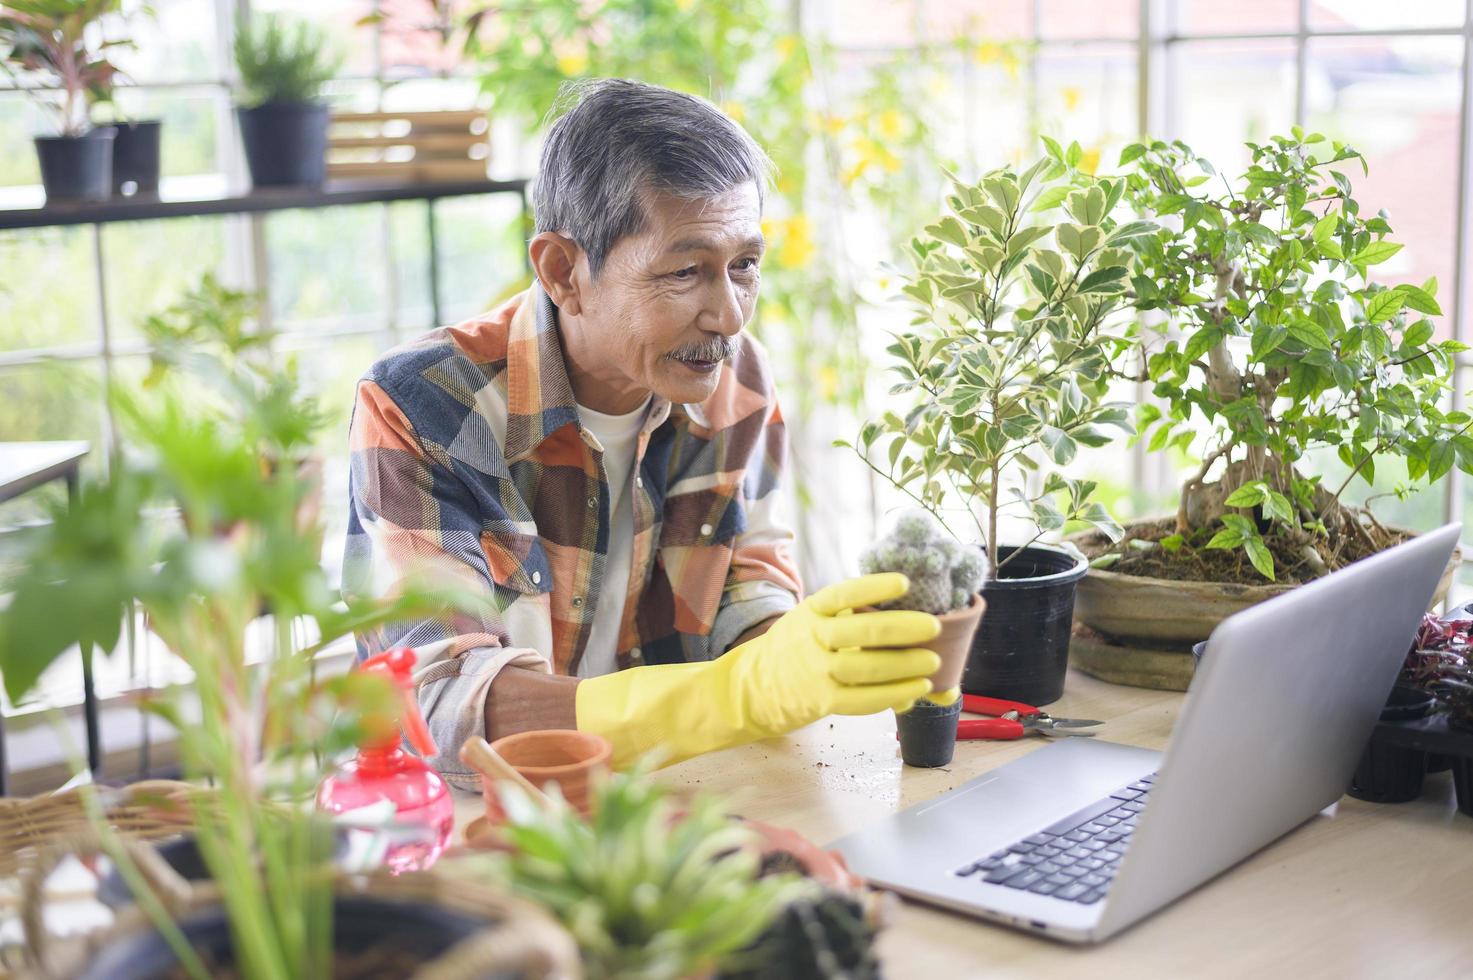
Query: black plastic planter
[1021,650]
[415,932]
[1462,768]
[928,734]
[136,158]
[1393,773]
[77,168]
[285,143]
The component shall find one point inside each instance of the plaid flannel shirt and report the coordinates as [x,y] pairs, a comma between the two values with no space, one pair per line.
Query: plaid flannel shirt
[468,457]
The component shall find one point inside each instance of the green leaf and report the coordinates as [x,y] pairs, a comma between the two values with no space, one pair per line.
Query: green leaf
[1105,560]
[1131,153]
[1383,305]
[1248,495]
[1376,252]
[948,229]
[1104,280]
[1050,198]
[1259,555]
[1061,448]
[1309,333]
[1418,333]
[1172,542]
[1226,538]
[1324,229]
[1419,299]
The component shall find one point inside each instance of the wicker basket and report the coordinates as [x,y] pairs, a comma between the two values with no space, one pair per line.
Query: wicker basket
[145,811]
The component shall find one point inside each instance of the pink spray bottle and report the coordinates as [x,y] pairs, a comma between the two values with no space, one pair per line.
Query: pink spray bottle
[405,802]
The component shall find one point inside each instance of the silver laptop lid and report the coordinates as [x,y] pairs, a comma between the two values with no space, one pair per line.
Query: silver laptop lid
[1276,717]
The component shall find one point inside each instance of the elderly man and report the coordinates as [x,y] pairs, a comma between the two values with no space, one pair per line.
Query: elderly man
[602,455]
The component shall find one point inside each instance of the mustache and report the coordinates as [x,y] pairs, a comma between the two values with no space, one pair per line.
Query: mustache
[717,348]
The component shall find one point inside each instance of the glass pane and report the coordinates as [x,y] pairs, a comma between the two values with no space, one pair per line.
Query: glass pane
[48,296]
[50,401]
[977,20]
[326,265]
[1245,16]
[887,23]
[1396,100]
[339,18]
[138,283]
[481,252]
[1220,93]
[20,120]
[1089,96]
[1089,18]
[1376,14]
[175,45]
[191,117]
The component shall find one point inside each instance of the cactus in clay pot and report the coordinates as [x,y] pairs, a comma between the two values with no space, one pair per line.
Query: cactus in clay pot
[944,574]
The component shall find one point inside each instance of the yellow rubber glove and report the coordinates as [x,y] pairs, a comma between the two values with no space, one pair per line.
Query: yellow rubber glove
[819,659]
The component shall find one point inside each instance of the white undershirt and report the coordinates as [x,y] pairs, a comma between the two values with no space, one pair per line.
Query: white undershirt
[619,437]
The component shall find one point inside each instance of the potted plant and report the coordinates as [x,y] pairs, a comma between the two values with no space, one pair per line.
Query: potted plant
[283,65]
[1006,375]
[1279,344]
[655,887]
[52,47]
[945,579]
[191,527]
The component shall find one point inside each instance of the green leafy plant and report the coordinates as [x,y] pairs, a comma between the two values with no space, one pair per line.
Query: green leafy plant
[1282,344]
[944,573]
[53,45]
[281,60]
[1010,368]
[649,886]
[192,528]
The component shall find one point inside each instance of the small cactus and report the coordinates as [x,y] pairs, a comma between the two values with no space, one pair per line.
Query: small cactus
[943,572]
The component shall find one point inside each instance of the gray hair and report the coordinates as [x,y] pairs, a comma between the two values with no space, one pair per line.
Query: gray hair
[616,139]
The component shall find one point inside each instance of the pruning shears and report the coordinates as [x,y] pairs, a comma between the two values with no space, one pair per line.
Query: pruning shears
[1014,720]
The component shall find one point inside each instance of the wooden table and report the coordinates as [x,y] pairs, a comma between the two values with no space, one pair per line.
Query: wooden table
[1375,890]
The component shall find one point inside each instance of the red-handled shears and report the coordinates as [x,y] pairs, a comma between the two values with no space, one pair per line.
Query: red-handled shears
[1014,720]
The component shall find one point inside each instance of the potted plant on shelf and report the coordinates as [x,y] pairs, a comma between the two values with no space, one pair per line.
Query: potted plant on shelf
[1282,348]
[945,580]
[283,65]
[1006,375]
[51,47]
[192,528]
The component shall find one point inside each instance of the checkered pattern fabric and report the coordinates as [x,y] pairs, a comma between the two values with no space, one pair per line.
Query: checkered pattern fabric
[468,459]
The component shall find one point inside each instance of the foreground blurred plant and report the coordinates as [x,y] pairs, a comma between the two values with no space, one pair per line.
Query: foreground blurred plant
[1013,360]
[194,528]
[650,887]
[1282,344]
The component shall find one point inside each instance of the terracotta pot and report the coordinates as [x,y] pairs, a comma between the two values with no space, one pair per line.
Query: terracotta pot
[575,761]
[954,643]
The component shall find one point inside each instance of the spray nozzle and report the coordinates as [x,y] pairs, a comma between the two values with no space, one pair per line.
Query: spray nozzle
[398,667]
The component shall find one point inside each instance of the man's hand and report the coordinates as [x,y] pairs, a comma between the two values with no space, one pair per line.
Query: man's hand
[819,658]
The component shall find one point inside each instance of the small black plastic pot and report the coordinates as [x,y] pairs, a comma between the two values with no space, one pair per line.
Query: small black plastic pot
[1021,650]
[413,932]
[1462,768]
[77,168]
[285,143]
[1393,773]
[928,733]
[136,158]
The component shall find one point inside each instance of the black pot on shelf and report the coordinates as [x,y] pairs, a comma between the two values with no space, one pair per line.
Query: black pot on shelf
[1393,773]
[77,168]
[136,158]
[285,143]
[1021,650]
[928,733]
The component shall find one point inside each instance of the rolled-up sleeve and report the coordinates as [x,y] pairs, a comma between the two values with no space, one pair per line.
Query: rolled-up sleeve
[410,516]
[763,580]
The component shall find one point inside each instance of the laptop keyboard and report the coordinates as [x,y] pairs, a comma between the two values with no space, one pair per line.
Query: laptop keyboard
[1075,858]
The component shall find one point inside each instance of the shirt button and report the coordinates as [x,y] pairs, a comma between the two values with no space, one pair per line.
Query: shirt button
[639,482]
[592,502]
[636,654]
[536,578]
[577,602]
[705,529]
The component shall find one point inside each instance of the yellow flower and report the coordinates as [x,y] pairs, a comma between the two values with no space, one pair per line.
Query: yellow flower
[987,52]
[797,248]
[1071,95]
[1090,161]
[786,45]
[735,110]
[889,124]
[572,57]
[851,175]
[834,125]
[684,5]
[828,382]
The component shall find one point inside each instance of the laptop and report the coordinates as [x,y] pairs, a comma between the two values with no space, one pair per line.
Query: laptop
[1082,838]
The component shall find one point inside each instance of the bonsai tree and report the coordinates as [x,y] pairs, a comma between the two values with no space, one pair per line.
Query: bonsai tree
[944,574]
[1008,365]
[1278,342]
[236,548]
[52,46]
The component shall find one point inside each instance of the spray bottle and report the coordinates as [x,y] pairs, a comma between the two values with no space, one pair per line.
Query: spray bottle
[404,804]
